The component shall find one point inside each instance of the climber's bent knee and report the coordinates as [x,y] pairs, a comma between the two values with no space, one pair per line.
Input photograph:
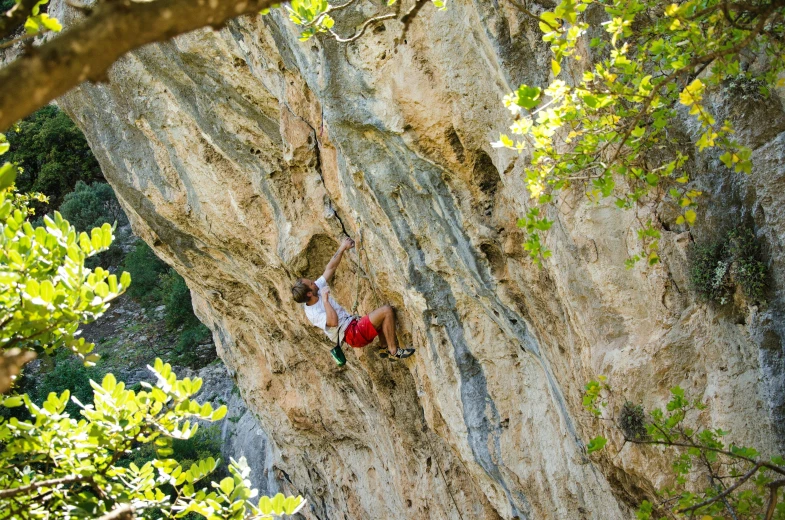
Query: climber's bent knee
[378,316]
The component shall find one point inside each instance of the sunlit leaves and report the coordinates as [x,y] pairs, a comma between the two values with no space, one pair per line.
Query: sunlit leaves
[593,395]
[39,22]
[46,291]
[82,455]
[607,129]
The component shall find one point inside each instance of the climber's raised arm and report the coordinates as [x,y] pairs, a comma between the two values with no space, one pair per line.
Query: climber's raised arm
[332,265]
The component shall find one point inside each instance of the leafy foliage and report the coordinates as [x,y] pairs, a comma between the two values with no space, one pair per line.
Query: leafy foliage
[606,123]
[68,373]
[91,205]
[47,291]
[54,464]
[741,483]
[717,267]
[315,17]
[53,155]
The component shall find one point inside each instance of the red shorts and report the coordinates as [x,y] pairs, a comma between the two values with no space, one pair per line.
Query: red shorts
[360,332]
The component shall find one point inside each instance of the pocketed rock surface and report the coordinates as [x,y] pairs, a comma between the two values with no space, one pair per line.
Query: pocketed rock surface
[241,156]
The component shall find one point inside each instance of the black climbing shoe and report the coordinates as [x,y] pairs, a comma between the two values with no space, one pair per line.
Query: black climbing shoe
[403,353]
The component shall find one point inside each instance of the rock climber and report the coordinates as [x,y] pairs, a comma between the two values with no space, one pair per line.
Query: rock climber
[324,312]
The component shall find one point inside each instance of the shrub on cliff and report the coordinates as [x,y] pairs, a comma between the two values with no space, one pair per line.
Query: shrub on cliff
[718,267]
[714,478]
[145,269]
[178,309]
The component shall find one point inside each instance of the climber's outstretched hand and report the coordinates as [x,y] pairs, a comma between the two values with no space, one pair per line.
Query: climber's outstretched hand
[346,243]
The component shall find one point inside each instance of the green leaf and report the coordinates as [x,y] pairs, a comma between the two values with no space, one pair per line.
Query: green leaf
[293,505]
[7,175]
[13,401]
[219,414]
[109,382]
[596,444]
[527,97]
[47,291]
[265,505]
[50,23]
[31,25]
[227,485]
[278,501]
[548,22]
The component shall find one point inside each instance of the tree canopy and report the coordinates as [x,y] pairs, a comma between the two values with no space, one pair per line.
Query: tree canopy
[52,155]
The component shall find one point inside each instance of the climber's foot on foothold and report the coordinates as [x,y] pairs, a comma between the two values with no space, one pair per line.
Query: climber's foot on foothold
[402,353]
[384,354]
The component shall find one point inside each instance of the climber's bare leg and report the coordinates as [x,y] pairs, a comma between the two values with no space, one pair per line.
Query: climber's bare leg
[382,339]
[383,320]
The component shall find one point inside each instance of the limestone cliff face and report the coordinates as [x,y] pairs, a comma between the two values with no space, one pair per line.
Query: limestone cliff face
[241,156]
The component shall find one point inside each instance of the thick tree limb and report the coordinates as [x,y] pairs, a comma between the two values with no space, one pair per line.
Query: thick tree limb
[87,50]
[11,363]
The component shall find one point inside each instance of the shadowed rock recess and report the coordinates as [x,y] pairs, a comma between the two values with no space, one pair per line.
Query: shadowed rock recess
[241,155]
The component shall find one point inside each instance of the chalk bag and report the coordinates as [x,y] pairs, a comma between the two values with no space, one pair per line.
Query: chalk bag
[338,356]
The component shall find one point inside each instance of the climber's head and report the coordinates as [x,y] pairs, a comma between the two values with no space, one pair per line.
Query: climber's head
[304,289]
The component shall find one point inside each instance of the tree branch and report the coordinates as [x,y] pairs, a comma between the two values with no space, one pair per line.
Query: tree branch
[725,493]
[7,493]
[123,512]
[763,464]
[88,49]
[365,26]
[773,488]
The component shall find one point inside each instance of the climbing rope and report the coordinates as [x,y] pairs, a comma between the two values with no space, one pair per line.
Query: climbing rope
[359,247]
[421,392]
